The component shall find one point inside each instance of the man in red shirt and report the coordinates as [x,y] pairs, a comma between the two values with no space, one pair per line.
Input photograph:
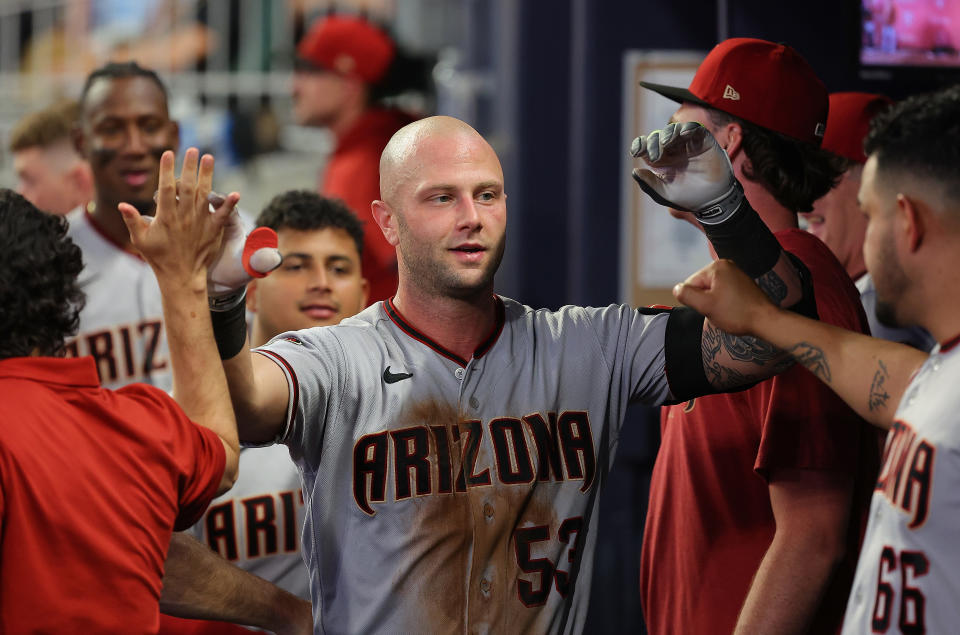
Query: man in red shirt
[341,63]
[93,482]
[756,496]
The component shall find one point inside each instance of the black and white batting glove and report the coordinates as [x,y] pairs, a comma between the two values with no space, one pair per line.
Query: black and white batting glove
[244,255]
[687,170]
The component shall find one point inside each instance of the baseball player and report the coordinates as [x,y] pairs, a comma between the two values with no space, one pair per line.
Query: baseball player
[124,127]
[751,485]
[836,218]
[909,567]
[257,524]
[452,442]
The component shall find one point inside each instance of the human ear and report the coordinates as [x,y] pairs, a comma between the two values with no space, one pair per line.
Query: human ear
[386,219]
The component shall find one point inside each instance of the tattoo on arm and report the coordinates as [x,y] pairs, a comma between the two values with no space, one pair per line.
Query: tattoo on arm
[878,395]
[774,286]
[709,347]
[747,348]
[721,352]
[813,359]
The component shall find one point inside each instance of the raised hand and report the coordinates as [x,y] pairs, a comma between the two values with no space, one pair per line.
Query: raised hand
[687,170]
[183,237]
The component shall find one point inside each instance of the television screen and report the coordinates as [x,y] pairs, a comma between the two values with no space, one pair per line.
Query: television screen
[910,33]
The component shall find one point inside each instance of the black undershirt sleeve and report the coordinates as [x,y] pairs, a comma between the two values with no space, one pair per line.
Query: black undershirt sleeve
[683,353]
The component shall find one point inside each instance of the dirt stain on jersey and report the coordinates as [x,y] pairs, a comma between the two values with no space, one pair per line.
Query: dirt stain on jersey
[464,561]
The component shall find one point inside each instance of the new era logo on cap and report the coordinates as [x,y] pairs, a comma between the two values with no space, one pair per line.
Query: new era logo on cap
[776,88]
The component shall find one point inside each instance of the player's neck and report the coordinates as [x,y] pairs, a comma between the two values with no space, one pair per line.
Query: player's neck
[774,215]
[347,119]
[458,325]
[107,217]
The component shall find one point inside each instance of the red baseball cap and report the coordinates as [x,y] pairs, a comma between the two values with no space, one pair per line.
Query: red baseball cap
[764,83]
[849,122]
[347,45]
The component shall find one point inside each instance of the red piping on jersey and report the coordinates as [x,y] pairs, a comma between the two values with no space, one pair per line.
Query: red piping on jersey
[293,379]
[107,237]
[479,352]
[950,343]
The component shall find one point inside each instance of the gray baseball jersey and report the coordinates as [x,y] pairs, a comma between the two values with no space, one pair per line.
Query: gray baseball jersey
[121,324]
[257,524]
[908,575]
[453,495]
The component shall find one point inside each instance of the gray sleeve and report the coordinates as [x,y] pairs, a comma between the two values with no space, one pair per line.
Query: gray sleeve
[632,344]
[313,362]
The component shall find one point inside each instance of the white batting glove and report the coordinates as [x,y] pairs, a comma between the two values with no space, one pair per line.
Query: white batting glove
[687,170]
[244,255]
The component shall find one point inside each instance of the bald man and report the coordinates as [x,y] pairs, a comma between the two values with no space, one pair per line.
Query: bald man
[451,441]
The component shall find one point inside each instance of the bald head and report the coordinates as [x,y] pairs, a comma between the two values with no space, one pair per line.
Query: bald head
[420,144]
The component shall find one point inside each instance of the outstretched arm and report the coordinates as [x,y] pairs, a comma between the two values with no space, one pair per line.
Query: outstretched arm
[685,169]
[869,374]
[199,584]
[179,243]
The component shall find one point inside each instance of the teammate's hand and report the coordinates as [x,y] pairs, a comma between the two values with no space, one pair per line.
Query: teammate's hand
[688,171]
[726,296]
[243,256]
[183,236]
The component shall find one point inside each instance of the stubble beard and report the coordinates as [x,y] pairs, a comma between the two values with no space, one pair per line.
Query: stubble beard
[893,281]
[439,278]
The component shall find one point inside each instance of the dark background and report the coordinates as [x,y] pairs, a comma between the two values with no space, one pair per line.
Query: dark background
[568,162]
[569,101]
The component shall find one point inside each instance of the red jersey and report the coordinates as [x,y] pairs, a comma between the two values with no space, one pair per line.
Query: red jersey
[709,521]
[353,175]
[92,483]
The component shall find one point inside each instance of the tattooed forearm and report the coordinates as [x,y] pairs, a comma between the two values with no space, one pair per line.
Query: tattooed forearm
[747,348]
[731,361]
[878,394]
[773,285]
[813,359]
[710,343]
[724,378]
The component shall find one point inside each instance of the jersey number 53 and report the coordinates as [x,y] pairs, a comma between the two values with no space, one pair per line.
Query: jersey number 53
[550,574]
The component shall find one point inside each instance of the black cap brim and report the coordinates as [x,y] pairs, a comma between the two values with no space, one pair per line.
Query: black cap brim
[678,95]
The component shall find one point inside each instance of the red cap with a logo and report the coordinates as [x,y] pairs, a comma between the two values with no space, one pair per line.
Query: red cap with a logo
[849,122]
[348,45]
[764,83]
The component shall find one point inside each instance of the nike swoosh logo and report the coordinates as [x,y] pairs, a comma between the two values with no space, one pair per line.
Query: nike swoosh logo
[392,378]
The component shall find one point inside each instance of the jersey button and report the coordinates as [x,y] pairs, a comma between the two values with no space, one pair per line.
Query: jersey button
[458,373]
[485,586]
[474,403]
[488,512]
